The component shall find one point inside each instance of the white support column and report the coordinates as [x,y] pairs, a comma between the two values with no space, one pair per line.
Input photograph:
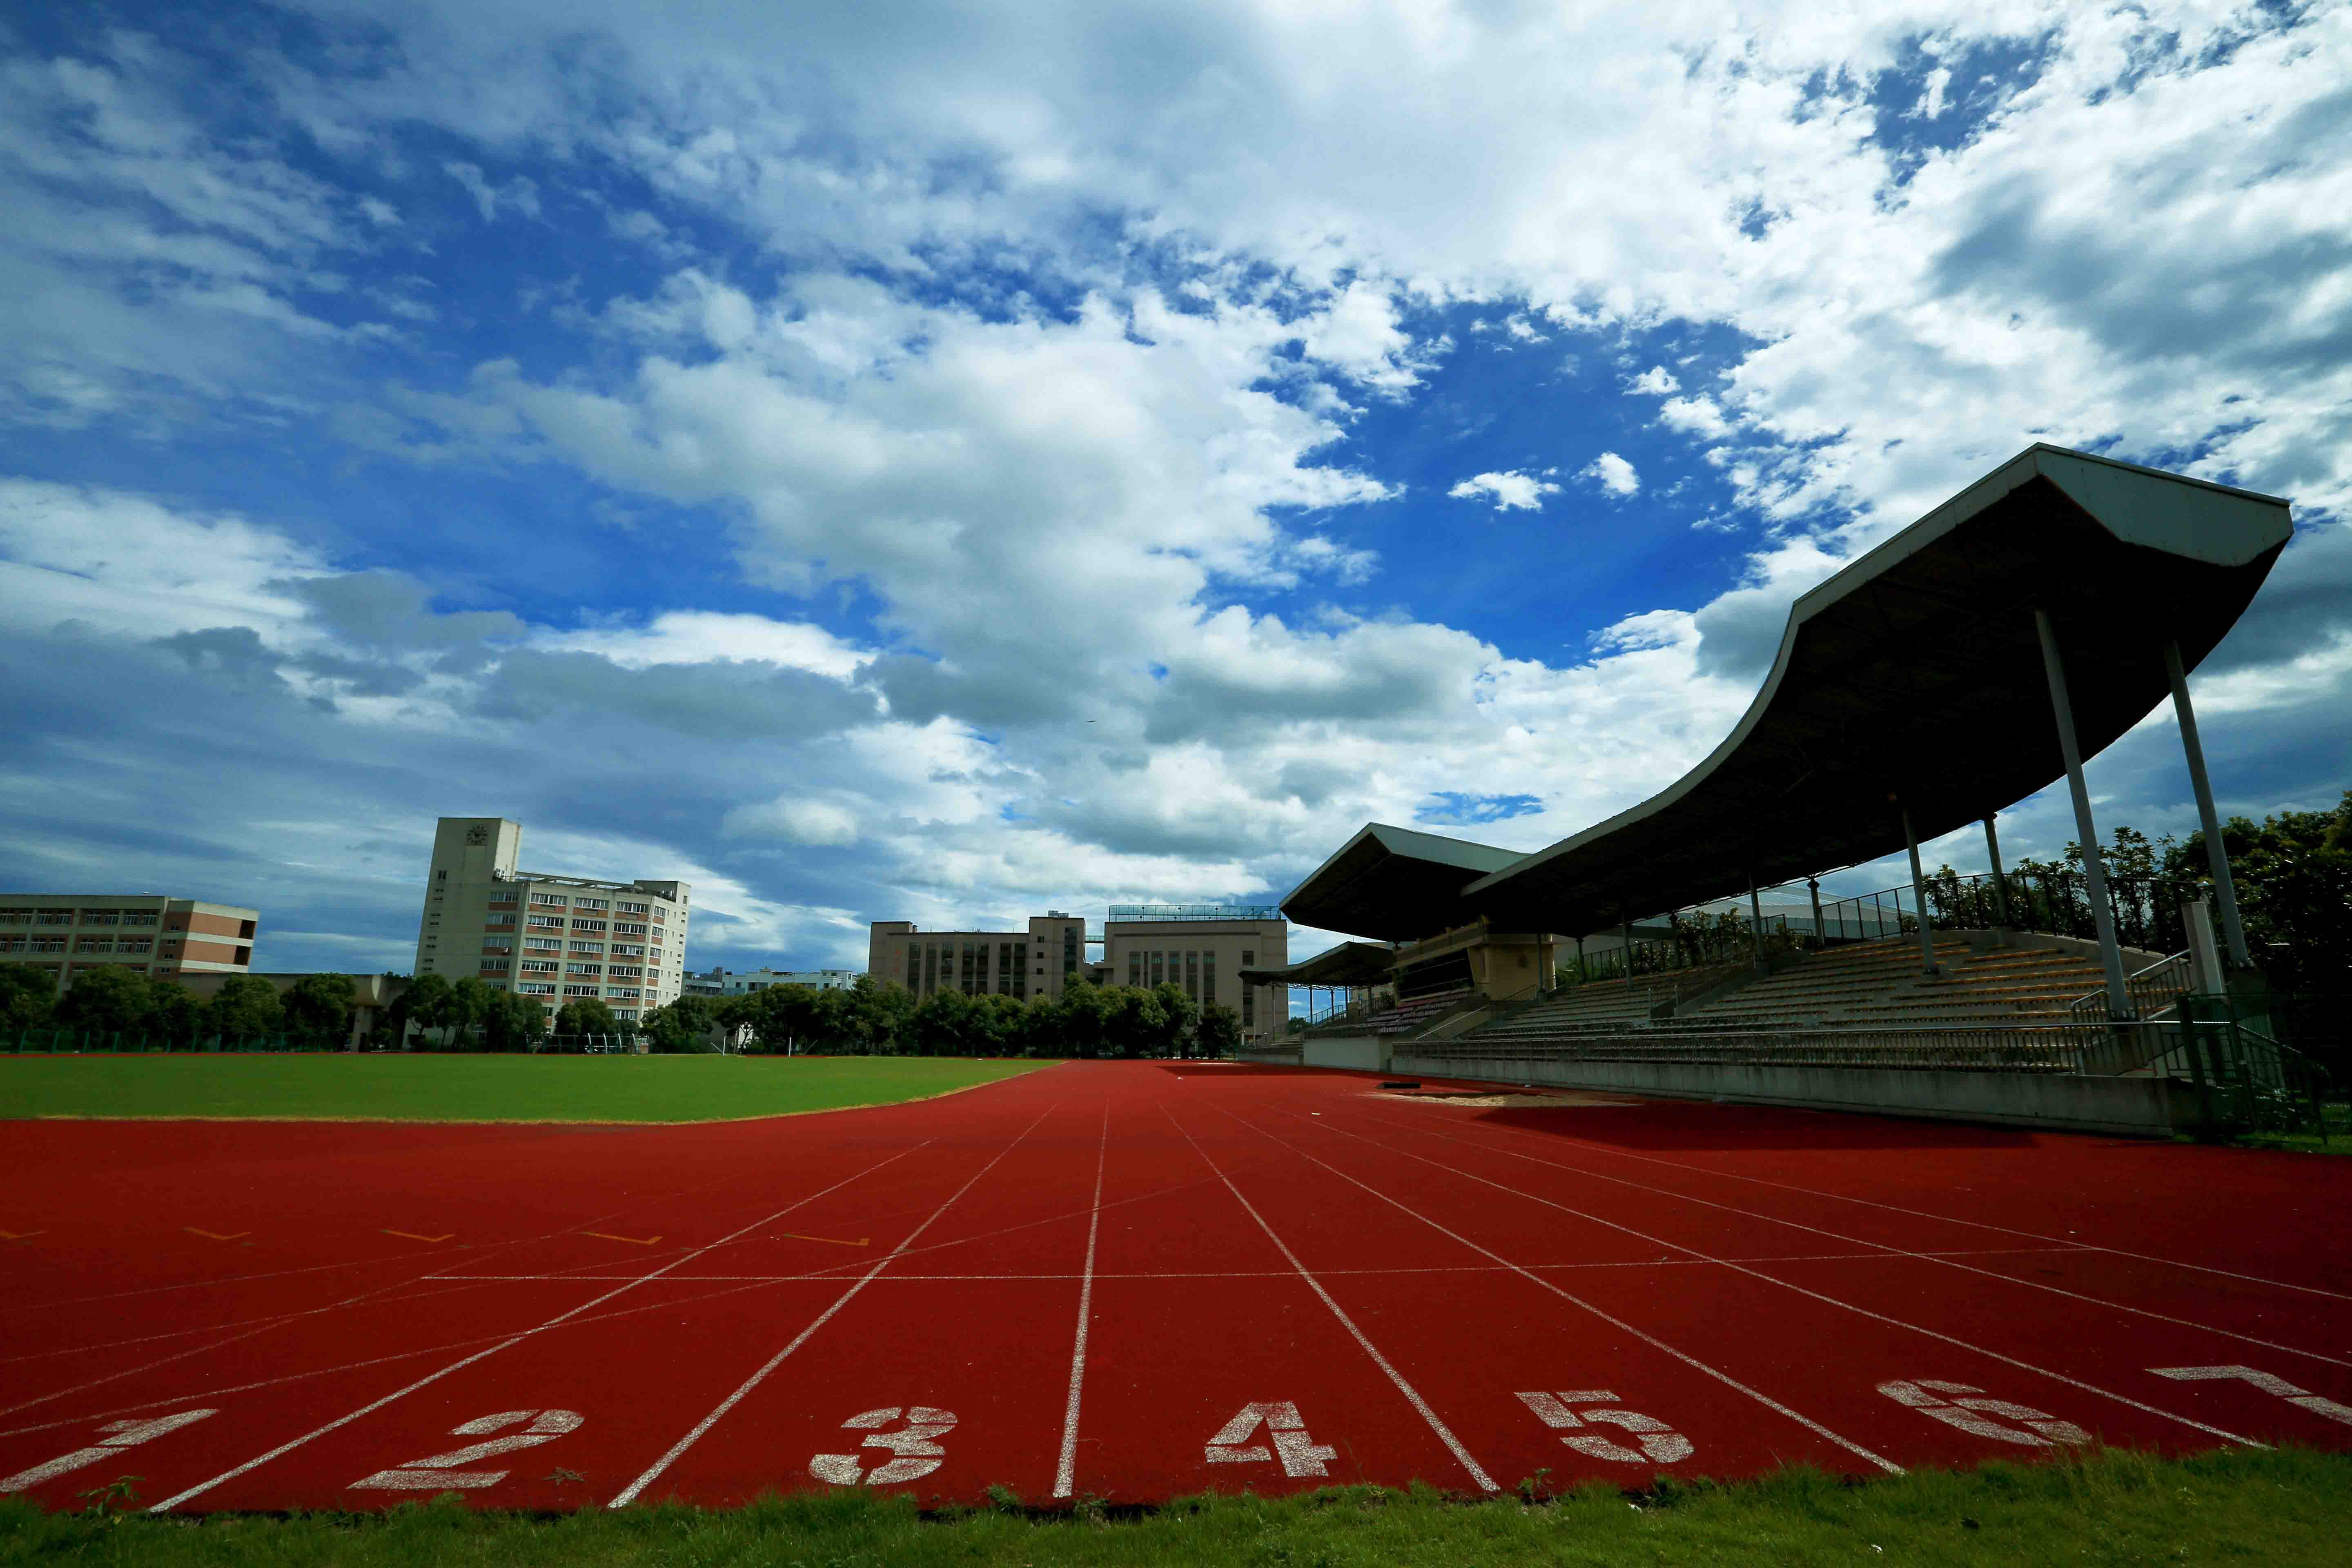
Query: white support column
[1999,877]
[1919,896]
[2217,854]
[2094,869]
[1755,921]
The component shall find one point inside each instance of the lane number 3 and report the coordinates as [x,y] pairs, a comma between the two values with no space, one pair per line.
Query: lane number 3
[914,1447]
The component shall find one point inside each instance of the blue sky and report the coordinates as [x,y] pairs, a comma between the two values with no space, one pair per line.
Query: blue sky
[942,462]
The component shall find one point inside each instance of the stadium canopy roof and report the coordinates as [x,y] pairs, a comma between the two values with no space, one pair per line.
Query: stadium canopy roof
[1394,884]
[1914,678]
[1349,964]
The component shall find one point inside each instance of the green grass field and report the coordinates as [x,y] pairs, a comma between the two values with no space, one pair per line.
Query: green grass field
[2271,1507]
[429,1087]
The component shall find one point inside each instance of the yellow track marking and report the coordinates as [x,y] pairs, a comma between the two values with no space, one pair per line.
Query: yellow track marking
[412,1235]
[796,1236]
[214,1234]
[633,1241]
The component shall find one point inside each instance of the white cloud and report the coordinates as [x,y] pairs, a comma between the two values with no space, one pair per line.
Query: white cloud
[810,822]
[1657,381]
[1511,489]
[1612,473]
[1696,416]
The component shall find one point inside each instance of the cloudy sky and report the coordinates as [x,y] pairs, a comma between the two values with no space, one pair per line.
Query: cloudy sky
[900,460]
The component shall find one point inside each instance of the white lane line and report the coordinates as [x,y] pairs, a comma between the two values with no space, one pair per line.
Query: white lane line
[629,1494]
[1947,1259]
[1413,1395]
[1947,1219]
[1815,1295]
[260,1459]
[1065,1472]
[1766,1400]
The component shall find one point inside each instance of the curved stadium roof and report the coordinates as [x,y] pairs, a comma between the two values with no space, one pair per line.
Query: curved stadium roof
[1915,674]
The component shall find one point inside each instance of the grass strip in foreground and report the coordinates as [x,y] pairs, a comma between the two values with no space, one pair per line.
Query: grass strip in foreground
[2274,1506]
[431,1087]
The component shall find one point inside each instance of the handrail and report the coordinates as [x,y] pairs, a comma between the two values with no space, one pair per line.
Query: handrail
[2161,983]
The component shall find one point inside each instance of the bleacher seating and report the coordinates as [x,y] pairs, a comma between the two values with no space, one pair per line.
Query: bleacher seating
[1406,1017]
[1604,1005]
[1879,984]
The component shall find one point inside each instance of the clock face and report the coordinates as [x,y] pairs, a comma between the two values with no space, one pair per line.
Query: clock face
[478,834]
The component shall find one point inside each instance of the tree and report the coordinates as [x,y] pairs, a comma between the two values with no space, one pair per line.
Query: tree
[589,1017]
[178,1016]
[1220,1030]
[469,1004]
[107,1001]
[422,1003]
[28,997]
[245,1004]
[512,1023]
[2293,881]
[682,1028]
[1179,1014]
[1085,1013]
[320,1003]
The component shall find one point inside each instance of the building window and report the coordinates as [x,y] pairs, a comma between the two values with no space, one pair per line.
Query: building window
[583,968]
[590,904]
[555,899]
[930,967]
[538,966]
[1158,968]
[914,967]
[133,916]
[494,965]
[493,945]
[48,944]
[12,944]
[627,908]
[1069,949]
[53,916]
[531,988]
[628,928]
[94,944]
[1208,977]
[597,948]
[1192,976]
[579,925]
[101,917]
[580,990]
[15,917]
[1135,968]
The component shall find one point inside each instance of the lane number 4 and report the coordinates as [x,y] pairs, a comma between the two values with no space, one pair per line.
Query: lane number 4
[914,1447]
[2314,1403]
[1971,1410]
[440,1472]
[1287,1440]
[1659,1443]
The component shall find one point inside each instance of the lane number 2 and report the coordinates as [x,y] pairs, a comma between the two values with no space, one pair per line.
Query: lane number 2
[1974,1413]
[1299,1454]
[1659,1443]
[914,1446]
[439,1472]
[2316,1403]
[123,1435]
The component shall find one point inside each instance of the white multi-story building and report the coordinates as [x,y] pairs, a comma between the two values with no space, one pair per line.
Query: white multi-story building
[729,982]
[557,938]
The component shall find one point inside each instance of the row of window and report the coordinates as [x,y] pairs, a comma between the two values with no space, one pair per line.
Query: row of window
[32,945]
[114,944]
[32,917]
[939,966]
[613,993]
[1196,972]
[582,901]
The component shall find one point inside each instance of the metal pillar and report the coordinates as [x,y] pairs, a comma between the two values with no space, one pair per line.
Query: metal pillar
[1580,976]
[1625,934]
[2217,854]
[1755,921]
[1999,877]
[1919,896]
[2094,869]
[1813,887]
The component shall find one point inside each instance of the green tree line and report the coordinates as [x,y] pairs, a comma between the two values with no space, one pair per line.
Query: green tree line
[870,1018]
[119,1001]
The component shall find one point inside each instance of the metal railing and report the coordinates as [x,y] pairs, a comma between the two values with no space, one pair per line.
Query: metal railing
[2055,901]
[2151,993]
[2054,1050]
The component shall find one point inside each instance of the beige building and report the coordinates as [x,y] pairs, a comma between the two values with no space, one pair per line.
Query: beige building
[1201,948]
[558,938]
[1204,948]
[1037,962]
[157,935]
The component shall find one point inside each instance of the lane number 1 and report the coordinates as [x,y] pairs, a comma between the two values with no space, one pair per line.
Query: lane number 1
[124,1435]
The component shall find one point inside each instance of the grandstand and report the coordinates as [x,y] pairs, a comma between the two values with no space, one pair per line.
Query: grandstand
[1967,662]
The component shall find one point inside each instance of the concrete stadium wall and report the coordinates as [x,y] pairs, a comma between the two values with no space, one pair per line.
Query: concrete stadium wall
[1361,1052]
[2132,1107]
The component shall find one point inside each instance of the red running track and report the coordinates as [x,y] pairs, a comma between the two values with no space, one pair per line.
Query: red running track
[1133,1281]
